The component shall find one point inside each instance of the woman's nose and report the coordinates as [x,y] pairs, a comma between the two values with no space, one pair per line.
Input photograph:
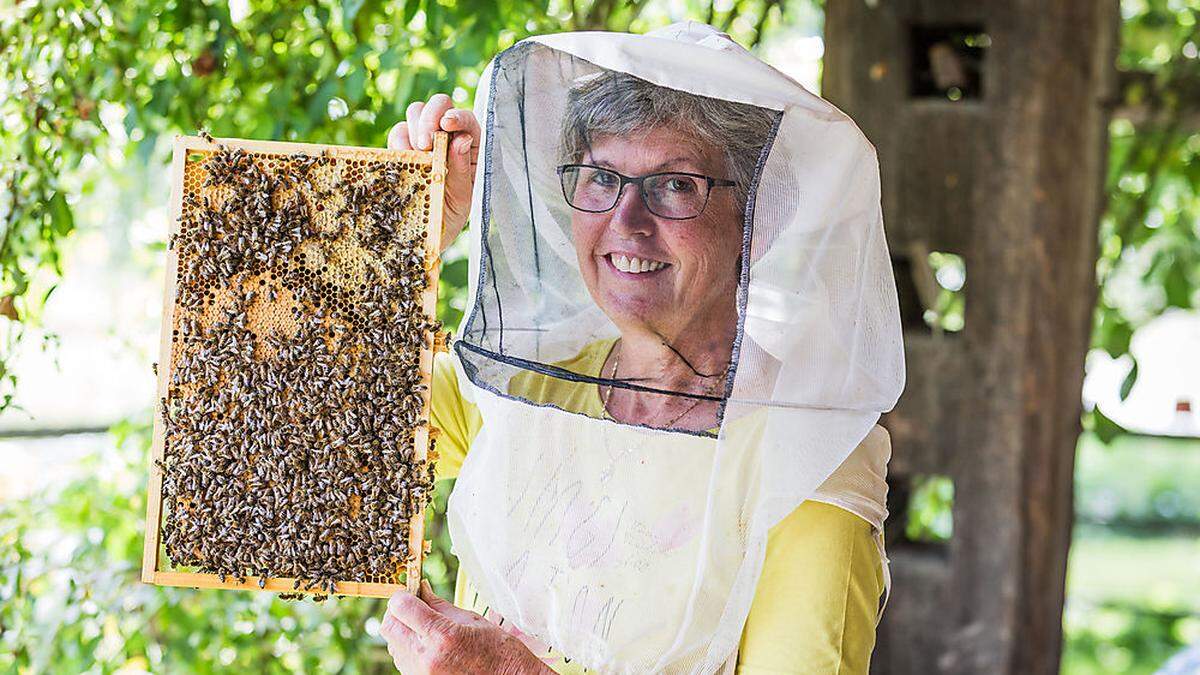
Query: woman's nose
[630,215]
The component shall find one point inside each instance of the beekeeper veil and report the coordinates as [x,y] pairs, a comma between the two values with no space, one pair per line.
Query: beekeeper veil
[681,320]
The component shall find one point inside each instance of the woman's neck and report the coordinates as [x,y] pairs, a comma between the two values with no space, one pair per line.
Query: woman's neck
[693,361]
[689,363]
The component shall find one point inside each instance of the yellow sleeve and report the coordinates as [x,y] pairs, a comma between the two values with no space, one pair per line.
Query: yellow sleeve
[815,606]
[458,419]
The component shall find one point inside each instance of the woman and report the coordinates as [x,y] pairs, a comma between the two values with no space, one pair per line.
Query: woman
[654,202]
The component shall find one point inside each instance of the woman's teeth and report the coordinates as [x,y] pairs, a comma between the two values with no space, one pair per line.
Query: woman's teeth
[635,265]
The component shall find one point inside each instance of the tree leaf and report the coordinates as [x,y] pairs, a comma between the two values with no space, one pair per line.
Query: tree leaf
[1129,381]
[1114,333]
[410,10]
[1104,427]
[1177,287]
[61,217]
[349,11]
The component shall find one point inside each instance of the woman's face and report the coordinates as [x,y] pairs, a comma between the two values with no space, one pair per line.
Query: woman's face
[692,280]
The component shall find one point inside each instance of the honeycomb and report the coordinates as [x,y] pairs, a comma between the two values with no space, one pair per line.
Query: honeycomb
[292,440]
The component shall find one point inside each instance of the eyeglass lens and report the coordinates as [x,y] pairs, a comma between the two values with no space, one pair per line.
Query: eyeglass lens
[669,195]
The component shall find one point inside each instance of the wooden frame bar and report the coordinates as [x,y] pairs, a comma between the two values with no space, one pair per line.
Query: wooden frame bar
[436,159]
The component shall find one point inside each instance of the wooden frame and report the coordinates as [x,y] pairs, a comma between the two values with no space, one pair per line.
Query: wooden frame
[436,159]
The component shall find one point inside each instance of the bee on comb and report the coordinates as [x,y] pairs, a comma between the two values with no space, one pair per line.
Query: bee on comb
[291,452]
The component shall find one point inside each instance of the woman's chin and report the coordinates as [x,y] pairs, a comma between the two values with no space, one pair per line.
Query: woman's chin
[630,309]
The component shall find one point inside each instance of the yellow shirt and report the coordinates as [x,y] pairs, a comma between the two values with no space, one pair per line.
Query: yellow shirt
[816,602]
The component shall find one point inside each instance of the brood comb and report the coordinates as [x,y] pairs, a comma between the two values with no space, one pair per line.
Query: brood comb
[292,450]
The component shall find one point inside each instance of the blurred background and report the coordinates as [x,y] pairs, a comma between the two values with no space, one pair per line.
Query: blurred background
[92,94]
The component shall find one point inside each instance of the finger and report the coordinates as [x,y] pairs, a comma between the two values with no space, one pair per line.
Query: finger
[396,634]
[453,121]
[412,611]
[402,644]
[462,124]
[498,619]
[413,117]
[460,182]
[463,121]
[445,607]
[533,644]
[398,137]
[431,119]
[460,161]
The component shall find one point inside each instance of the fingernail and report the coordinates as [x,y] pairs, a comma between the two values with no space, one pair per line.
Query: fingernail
[465,146]
[426,141]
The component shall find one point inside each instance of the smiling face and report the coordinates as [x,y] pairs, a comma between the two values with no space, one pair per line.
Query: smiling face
[653,274]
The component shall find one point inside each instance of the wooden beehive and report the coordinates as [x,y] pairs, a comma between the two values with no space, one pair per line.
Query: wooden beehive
[292,451]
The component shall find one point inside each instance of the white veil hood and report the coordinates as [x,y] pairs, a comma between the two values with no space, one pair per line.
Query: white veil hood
[557,516]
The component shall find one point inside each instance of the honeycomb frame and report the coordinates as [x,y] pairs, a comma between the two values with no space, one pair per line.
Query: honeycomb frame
[186,150]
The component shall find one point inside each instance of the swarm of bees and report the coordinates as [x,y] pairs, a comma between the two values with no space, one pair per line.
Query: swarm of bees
[294,385]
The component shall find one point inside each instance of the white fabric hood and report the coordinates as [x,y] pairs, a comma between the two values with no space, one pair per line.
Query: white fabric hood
[553,505]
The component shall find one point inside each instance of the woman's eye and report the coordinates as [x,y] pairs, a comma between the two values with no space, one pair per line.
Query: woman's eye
[680,185]
[605,179]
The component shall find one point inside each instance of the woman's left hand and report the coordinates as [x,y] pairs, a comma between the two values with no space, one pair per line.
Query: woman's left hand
[426,634]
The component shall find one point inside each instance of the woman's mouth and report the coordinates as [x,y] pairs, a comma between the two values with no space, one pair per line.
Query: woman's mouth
[635,266]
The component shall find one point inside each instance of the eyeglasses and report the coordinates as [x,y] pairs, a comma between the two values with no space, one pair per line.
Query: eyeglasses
[673,195]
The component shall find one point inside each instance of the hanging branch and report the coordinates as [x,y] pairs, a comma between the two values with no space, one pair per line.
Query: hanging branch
[760,27]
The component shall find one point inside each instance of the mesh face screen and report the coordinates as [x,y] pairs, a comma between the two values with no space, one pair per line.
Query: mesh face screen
[292,438]
[615,238]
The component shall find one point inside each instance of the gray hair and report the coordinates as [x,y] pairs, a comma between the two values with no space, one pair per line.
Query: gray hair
[620,104]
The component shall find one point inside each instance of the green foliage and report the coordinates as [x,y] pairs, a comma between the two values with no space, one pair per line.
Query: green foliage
[1118,622]
[71,600]
[1123,638]
[1132,594]
[930,516]
[1139,483]
[452,286]
[1150,234]
[948,311]
[1101,559]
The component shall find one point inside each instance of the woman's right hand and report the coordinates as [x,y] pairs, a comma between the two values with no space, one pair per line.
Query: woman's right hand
[416,133]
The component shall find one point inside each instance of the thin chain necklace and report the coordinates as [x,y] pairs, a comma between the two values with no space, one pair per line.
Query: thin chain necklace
[605,396]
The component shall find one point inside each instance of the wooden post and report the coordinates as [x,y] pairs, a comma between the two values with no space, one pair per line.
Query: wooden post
[991,128]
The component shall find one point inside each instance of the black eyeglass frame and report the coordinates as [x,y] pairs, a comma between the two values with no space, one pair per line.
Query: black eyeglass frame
[640,181]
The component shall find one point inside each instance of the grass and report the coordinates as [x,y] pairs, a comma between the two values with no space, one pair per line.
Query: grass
[1133,578]
[1157,573]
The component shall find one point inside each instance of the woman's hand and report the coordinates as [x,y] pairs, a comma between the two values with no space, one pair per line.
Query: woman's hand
[426,634]
[416,133]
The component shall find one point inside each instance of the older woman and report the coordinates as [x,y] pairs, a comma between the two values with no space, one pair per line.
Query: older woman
[656,182]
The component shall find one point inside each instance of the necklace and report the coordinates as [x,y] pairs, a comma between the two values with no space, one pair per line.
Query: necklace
[607,394]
